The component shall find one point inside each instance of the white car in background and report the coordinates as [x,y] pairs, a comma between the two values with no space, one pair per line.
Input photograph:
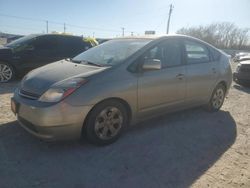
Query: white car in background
[242,56]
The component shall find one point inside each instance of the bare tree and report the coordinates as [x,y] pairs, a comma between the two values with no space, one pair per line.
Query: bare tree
[222,35]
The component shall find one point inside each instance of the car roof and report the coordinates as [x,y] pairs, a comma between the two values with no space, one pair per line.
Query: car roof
[57,34]
[160,37]
[155,36]
[144,37]
[246,62]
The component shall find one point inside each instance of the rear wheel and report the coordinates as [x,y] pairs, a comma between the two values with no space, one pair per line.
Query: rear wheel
[217,98]
[6,72]
[106,122]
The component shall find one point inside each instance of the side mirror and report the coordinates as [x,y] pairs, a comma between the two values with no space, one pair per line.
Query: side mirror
[152,64]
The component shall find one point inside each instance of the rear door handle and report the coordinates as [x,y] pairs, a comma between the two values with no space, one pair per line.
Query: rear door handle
[180,76]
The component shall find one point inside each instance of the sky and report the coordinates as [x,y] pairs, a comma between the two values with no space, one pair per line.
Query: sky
[106,18]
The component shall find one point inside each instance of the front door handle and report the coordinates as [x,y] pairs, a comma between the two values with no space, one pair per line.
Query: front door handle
[180,76]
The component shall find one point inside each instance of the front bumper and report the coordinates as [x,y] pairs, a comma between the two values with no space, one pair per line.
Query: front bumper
[60,121]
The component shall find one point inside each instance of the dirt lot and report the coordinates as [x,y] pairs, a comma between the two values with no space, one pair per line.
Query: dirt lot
[189,148]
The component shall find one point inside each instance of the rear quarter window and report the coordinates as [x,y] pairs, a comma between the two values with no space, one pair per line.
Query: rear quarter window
[215,54]
[73,45]
[196,52]
[78,43]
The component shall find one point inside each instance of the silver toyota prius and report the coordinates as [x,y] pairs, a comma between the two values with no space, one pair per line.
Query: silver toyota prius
[120,82]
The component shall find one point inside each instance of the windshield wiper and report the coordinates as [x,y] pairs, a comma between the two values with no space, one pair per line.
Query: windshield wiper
[74,61]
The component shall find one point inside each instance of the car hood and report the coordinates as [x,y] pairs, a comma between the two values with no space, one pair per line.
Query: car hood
[40,80]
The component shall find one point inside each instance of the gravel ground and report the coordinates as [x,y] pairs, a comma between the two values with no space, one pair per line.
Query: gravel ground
[192,148]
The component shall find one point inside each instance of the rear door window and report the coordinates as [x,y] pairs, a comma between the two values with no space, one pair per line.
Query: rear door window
[196,52]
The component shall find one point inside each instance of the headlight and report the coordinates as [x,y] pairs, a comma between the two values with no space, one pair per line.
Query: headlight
[61,90]
[52,95]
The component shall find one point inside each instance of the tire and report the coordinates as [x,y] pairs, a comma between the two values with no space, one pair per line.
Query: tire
[217,98]
[7,72]
[106,122]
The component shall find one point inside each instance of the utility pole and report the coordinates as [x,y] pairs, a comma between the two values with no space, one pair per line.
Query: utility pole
[47,26]
[123,31]
[169,16]
[64,28]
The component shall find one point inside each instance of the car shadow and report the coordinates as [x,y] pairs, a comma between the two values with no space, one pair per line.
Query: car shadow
[170,151]
[245,88]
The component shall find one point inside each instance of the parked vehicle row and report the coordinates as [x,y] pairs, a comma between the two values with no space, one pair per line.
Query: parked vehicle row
[32,51]
[242,73]
[123,81]
[241,56]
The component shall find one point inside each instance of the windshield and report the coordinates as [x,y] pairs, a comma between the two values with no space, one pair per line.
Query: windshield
[112,52]
[21,41]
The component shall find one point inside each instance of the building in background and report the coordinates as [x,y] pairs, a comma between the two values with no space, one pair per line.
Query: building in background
[149,32]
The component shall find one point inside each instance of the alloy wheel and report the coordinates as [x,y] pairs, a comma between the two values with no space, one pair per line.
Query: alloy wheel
[218,98]
[5,73]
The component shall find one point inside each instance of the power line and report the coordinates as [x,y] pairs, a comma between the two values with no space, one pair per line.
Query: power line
[59,23]
[49,24]
[21,28]
[23,18]
[95,28]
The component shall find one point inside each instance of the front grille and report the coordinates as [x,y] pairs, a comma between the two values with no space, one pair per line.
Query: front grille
[27,124]
[28,95]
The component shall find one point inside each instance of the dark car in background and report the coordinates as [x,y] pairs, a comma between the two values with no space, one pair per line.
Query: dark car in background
[102,40]
[243,58]
[242,74]
[32,51]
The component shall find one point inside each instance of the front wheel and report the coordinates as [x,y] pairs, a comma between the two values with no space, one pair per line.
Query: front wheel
[6,72]
[106,122]
[217,98]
